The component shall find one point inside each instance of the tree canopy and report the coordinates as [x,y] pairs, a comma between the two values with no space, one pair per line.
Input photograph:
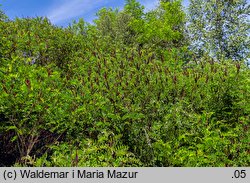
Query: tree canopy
[131,89]
[220,28]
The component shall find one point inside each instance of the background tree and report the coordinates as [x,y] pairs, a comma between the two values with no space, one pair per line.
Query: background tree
[220,28]
[134,8]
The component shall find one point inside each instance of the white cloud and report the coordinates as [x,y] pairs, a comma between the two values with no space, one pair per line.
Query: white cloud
[72,8]
[64,10]
[149,4]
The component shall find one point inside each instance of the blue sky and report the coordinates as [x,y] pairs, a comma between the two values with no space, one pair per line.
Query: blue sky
[62,12]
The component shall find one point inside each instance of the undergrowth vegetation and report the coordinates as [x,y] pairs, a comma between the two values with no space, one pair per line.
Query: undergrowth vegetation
[125,91]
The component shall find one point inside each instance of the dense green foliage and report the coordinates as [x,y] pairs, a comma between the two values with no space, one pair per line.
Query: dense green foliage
[121,92]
